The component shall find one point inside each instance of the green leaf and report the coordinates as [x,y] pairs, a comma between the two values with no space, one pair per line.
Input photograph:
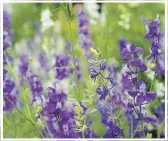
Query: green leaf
[97,125]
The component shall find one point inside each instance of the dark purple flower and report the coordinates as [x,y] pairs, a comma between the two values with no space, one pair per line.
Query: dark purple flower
[93,74]
[154,35]
[61,64]
[152,28]
[102,91]
[55,103]
[102,64]
[129,51]
[150,119]
[138,63]
[23,65]
[113,131]
[7,105]
[141,95]
[127,82]
[11,92]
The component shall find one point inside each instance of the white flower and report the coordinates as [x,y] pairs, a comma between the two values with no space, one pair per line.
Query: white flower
[160,89]
[46,20]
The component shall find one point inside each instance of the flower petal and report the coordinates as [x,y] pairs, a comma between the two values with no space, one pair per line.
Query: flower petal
[139,99]
[150,96]
[150,119]
[133,93]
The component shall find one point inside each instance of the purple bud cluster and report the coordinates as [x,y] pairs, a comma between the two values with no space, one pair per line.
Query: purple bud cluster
[84,32]
[59,114]
[155,37]
[9,87]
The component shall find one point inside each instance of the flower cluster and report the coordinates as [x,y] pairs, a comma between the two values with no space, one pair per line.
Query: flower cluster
[61,64]
[84,32]
[35,87]
[109,109]
[137,94]
[9,87]
[154,35]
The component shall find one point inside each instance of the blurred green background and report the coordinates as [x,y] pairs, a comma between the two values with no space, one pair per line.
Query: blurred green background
[105,38]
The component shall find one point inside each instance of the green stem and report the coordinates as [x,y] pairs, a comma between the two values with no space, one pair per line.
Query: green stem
[73,52]
[24,115]
[142,126]
[152,82]
[153,78]
[83,134]
[13,116]
[102,77]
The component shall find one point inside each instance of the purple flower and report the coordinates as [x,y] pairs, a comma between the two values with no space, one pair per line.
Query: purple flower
[35,87]
[93,74]
[127,82]
[55,103]
[61,64]
[102,91]
[129,51]
[152,28]
[84,32]
[141,95]
[113,131]
[102,65]
[150,119]
[43,60]
[139,63]
[6,20]
[112,79]
[154,35]
[78,68]
[56,110]
[160,69]
[23,65]
[11,92]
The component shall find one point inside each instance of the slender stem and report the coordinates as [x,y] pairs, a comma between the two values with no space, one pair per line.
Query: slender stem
[83,134]
[135,132]
[142,126]
[154,77]
[73,51]
[152,82]
[56,116]
[23,115]
[14,122]
[105,84]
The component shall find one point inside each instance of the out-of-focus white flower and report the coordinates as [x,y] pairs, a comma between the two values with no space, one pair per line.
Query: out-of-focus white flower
[63,85]
[160,89]
[150,74]
[46,20]
[92,9]
[124,21]
[103,20]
